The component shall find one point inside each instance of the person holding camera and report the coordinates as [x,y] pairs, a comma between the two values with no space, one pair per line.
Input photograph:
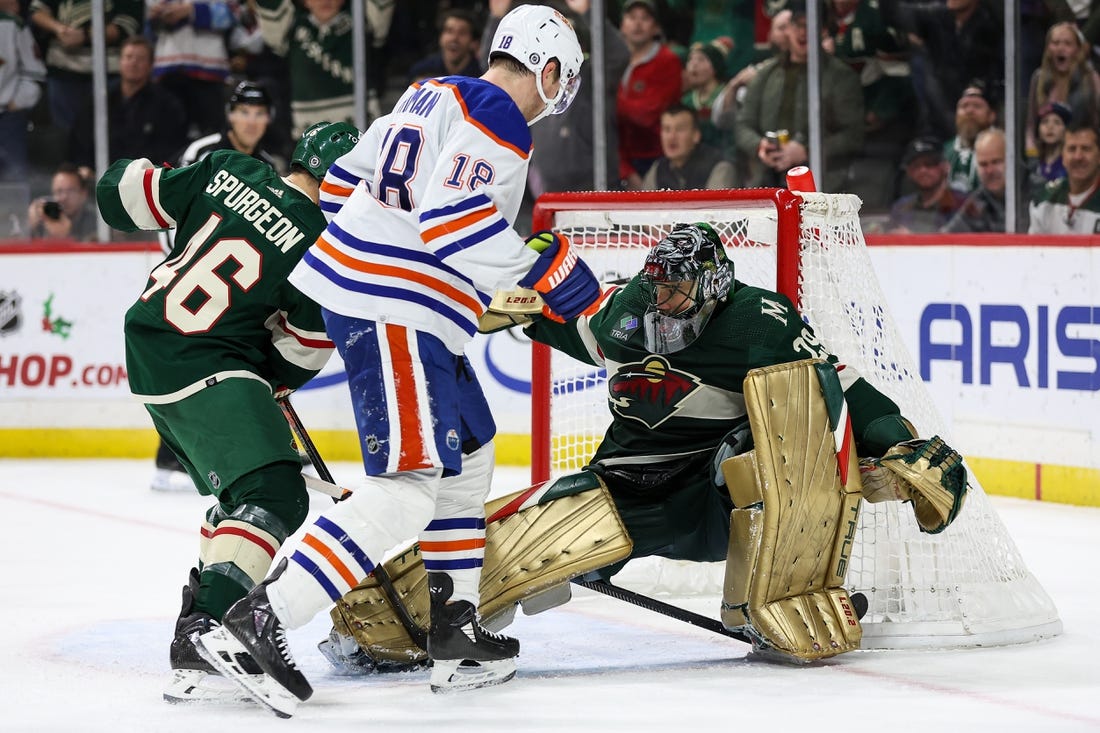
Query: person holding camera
[67,213]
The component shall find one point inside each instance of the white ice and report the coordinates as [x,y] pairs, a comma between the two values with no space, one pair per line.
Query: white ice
[93,562]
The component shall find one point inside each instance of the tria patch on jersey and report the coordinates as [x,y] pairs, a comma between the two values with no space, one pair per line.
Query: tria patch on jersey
[650,391]
[626,326]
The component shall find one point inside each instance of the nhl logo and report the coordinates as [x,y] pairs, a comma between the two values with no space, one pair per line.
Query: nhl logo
[11,316]
[534,59]
[214,479]
[372,444]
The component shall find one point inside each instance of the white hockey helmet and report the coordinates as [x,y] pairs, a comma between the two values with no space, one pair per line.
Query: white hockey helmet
[533,35]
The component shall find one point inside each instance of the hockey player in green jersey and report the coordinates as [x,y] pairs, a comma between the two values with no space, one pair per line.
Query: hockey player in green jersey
[215,332]
[677,342]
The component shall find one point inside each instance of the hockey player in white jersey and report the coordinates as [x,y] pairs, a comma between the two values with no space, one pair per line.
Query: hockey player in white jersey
[420,237]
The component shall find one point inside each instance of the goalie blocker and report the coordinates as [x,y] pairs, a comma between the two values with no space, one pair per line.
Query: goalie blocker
[796,502]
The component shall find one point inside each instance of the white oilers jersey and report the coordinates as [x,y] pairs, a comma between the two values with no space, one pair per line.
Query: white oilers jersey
[421,211]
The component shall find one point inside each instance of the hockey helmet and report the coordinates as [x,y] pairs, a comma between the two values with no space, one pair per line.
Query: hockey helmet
[322,144]
[534,35]
[249,92]
[687,274]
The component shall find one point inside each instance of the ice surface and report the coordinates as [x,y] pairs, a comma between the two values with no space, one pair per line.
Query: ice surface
[93,562]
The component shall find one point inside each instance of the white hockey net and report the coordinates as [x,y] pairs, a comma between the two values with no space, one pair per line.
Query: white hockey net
[967,586]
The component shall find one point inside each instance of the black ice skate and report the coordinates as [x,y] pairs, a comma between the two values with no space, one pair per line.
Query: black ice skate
[193,678]
[251,634]
[465,655]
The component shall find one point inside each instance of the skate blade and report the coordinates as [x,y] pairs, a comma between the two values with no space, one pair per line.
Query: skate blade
[194,685]
[224,652]
[457,675]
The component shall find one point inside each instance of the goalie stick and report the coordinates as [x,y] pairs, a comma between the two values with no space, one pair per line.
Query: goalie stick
[416,633]
[859,602]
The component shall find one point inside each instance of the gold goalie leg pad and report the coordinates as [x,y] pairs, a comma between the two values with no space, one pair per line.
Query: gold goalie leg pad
[796,505]
[535,539]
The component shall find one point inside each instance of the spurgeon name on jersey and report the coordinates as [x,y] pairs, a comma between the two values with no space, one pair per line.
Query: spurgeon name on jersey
[219,306]
[253,206]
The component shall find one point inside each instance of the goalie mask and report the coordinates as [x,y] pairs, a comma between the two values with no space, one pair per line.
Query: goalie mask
[534,35]
[686,274]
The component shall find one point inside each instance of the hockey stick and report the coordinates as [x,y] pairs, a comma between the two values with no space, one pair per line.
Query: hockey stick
[417,634]
[859,603]
[666,609]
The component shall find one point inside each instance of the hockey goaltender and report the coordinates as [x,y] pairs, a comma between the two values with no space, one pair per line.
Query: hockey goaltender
[735,436]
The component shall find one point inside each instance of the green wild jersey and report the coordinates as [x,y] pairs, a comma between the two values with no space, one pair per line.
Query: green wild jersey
[665,405]
[219,306]
[1054,211]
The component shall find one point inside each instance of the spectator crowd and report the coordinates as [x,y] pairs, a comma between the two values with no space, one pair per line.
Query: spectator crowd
[699,94]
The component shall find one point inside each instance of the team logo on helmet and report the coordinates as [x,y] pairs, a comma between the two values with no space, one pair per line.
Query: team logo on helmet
[650,391]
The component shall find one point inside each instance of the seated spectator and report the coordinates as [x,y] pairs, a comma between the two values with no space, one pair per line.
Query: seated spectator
[934,202]
[67,26]
[687,163]
[459,43]
[68,213]
[143,120]
[777,100]
[192,60]
[650,85]
[974,112]
[1065,75]
[959,41]
[704,85]
[984,209]
[1050,132]
[22,74]
[1071,205]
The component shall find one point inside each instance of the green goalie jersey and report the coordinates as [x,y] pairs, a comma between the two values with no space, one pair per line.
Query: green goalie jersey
[685,402]
[219,306]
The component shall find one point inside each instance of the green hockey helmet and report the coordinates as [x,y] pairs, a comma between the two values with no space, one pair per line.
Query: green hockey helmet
[322,144]
[687,274]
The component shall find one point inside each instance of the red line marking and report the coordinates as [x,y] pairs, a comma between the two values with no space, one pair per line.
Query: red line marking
[96,513]
[971,694]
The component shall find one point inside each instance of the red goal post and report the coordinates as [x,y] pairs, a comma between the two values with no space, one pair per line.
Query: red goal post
[967,586]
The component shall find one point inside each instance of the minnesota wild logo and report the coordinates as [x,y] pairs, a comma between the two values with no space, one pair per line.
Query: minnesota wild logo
[650,391]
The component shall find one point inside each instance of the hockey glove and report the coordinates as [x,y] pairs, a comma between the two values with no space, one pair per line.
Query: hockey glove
[562,278]
[928,473]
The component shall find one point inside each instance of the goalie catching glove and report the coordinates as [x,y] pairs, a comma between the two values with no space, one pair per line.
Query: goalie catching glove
[928,473]
[564,281]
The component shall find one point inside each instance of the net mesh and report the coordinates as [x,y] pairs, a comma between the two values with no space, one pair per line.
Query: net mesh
[967,586]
